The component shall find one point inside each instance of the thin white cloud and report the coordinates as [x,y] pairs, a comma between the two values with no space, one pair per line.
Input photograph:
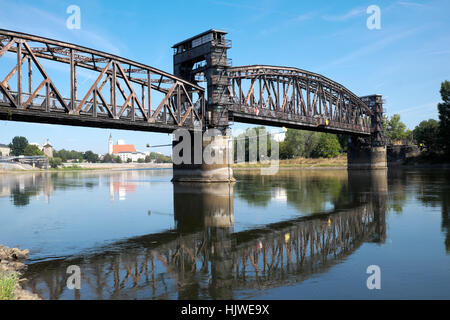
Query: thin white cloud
[442,52]
[287,23]
[346,16]
[33,20]
[373,47]
[412,4]
[422,107]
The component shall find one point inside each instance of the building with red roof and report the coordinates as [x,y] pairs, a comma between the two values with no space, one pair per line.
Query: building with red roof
[124,151]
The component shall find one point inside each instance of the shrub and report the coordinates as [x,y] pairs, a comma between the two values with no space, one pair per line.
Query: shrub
[55,162]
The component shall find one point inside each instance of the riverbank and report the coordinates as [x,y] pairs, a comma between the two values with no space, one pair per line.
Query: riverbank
[304,163]
[11,274]
[7,167]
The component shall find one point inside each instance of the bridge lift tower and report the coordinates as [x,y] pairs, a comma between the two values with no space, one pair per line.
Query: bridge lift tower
[203,58]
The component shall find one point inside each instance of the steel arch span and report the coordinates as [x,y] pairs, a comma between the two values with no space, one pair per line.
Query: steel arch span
[123,94]
[295,98]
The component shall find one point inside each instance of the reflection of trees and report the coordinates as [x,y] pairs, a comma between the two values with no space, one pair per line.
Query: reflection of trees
[307,191]
[21,187]
[433,189]
[398,196]
[21,198]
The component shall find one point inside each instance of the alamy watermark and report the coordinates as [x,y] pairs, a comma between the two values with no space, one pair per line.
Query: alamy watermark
[374,20]
[214,147]
[374,280]
[74,280]
[74,20]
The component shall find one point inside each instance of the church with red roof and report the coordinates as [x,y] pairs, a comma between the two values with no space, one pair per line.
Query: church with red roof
[124,151]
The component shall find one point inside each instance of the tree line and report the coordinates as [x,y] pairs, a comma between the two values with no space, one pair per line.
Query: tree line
[432,136]
[297,143]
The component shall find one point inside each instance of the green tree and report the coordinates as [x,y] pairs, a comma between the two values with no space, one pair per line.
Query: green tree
[18,146]
[108,158]
[298,143]
[129,160]
[252,141]
[328,146]
[90,156]
[68,155]
[396,130]
[444,116]
[55,162]
[427,134]
[32,150]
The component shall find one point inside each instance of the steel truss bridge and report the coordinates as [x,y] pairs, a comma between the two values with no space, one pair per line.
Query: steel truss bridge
[121,94]
[295,98]
[125,94]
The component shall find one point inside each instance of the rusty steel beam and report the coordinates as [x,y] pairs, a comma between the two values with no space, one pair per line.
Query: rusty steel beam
[280,101]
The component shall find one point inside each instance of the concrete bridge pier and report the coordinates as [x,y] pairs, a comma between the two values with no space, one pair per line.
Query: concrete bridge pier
[369,153]
[366,157]
[203,157]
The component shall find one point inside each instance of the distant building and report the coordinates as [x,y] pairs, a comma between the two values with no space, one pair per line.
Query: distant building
[124,151]
[48,149]
[4,150]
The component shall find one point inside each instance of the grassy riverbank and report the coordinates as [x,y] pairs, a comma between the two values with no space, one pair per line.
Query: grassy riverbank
[8,285]
[12,268]
[338,162]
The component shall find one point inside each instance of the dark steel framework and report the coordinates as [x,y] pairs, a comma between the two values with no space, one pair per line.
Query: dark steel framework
[296,98]
[122,92]
[121,95]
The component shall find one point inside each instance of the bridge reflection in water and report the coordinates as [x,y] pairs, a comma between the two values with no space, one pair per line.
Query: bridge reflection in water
[204,258]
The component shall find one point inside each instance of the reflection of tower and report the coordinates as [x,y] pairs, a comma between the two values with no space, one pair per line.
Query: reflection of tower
[48,188]
[199,206]
[110,144]
[111,190]
[208,208]
[119,184]
[372,187]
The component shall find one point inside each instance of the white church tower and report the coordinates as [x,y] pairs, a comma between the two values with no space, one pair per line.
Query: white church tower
[110,144]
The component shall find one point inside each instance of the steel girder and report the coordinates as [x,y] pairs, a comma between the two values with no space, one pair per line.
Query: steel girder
[121,93]
[290,96]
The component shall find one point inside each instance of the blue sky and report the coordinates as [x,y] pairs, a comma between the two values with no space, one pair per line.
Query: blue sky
[405,61]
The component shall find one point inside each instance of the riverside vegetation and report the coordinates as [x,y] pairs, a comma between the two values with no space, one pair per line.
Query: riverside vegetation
[11,271]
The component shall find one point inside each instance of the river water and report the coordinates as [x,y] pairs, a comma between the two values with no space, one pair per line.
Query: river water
[300,234]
